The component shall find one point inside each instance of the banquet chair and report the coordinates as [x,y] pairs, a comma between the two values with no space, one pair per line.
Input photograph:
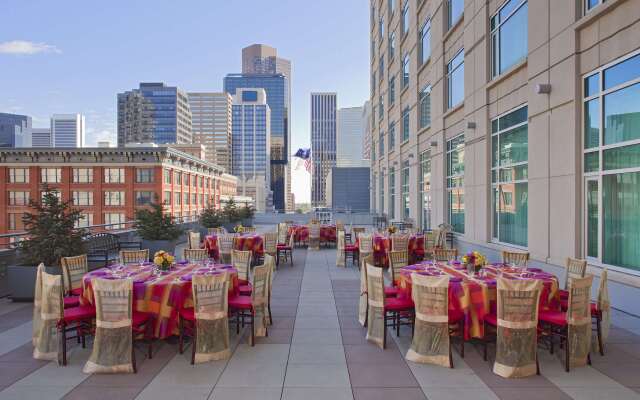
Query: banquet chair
[574,268]
[134,256]
[572,327]
[207,323]
[249,229]
[73,270]
[269,262]
[430,243]
[440,254]
[195,255]
[253,307]
[601,311]
[283,232]
[345,251]
[54,321]
[363,305]
[384,311]
[194,240]
[517,258]
[397,260]
[357,231]
[117,328]
[271,243]
[314,236]
[365,247]
[241,261]
[435,324]
[285,251]
[399,242]
[515,325]
[225,246]
[339,225]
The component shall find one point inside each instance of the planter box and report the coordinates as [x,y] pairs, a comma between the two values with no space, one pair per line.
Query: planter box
[22,280]
[156,245]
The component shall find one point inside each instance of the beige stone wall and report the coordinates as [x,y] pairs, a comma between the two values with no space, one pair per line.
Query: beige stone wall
[563,45]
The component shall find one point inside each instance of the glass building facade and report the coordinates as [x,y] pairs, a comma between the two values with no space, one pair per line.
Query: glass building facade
[15,130]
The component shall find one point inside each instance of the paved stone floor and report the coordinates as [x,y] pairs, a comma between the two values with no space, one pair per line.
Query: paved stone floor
[315,350]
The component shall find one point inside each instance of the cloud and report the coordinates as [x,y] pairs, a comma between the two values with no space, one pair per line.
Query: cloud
[24,47]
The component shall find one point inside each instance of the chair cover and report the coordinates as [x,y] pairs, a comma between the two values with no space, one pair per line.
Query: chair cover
[514,257]
[518,302]
[604,306]
[270,263]
[37,304]
[196,255]
[113,343]
[314,236]
[375,299]
[365,244]
[579,320]
[430,344]
[397,260]
[241,261]
[340,261]
[283,231]
[271,242]
[134,256]
[362,307]
[399,242]
[73,269]
[574,269]
[441,254]
[210,303]
[225,242]
[259,299]
[51,311]
[194,240]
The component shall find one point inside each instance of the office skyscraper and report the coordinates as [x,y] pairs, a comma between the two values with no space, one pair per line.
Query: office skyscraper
[67,130]
[323,143]
[41,137]
[350,130]
[15,130]
[276,89]
[366,136]
[251,145]
[211,125]
[154,113]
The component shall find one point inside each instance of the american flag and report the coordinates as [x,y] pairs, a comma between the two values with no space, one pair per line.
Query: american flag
[304,154]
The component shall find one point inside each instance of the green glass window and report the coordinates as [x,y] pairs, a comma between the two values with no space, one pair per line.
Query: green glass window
[509,36]
[455,183]
[392,192]
[405,192]
[592,124]
[591,162]
[622,157]
[592,217]
[509,177]
[621,219]
[425,190]
[622,115]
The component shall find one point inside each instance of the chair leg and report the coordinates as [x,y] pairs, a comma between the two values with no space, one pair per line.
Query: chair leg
[64,345]
[133,359]
[461,328]
[450,355]
[181,337]
[270,316]
[193,346]
[566,357]
[253,337]
[537,365]
[398,324]
[485,341]
[599,327]
[238,322]
[384,332]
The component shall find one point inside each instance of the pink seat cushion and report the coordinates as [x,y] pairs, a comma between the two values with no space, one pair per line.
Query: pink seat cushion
[553,317]
[71,301]
[491,319]
[284,247]
[351,247]
[390,291]
[240,302]
[564,294]
[79,313]
[188,314]
[245,290]
[77,292]
[395,304]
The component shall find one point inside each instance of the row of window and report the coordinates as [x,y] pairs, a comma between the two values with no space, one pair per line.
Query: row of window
[111,198]
[80,175]
[117,220]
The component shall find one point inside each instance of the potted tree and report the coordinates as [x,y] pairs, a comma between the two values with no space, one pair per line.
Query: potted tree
[210,218]
[157,230]
[231,215]
[246,215]
[51,235]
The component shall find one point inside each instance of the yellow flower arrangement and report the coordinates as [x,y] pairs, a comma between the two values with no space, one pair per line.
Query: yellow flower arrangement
[475,258]
[392,229]
[238,229]
[163,260]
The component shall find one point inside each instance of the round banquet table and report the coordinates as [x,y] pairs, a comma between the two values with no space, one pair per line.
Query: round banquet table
[475,295]
[252,242]
[161,295]
[382,247]
[328,233]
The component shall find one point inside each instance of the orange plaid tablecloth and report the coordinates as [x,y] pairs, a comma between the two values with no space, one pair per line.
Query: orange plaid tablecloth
[160,295]
[382,246]
[476,296]
[211,244]
[328,233]
[253,243]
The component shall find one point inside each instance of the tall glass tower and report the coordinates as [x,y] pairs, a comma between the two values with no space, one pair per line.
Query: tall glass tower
[323,144]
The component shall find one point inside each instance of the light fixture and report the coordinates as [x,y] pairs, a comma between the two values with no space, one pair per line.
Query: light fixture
[543,88]
[410,155]
[471,125]
[434,143]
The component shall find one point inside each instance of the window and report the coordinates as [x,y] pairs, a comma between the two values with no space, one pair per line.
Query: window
[51,175]
[425,42]
[455,80]
[590,4]
[15,222]
[509,173]
[405,71]
[381,28]
[55,193]
[405,18]
[166,198]
[194,199]
[114,175]
[177,176]
[374,186]
[373,151]
[144,198]
[392,90]
[392,135]
[373,83]
[455,183]
[381,69]
[85,221]
[167,176]
[405,191]
[82,198]
[194,181]
[18,175]
[18,198]
[82,175]
[405,124]
[392,192]
[380,107]
[392,46]
[612,163]
[177,198]
[425,190]
[455,8]
[392,6]
[381,193]
[112,198]
[425,106]
[114,220]
[509,36]
[144,175]
[185,198]
[381,144]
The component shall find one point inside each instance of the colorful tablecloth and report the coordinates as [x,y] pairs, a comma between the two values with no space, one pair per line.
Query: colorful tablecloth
[161,295]
[475,295]
[382,246]
[252,242]
[328,233]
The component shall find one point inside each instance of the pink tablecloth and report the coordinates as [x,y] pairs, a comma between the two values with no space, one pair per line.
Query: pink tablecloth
[382,246]
[252,242]
[328,233]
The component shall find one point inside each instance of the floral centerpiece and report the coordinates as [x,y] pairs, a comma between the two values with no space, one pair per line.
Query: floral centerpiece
[392,229]
[238,229]
[163,260]
[474,261]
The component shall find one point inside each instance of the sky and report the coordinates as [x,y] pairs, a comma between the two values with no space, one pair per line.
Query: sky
[69,56]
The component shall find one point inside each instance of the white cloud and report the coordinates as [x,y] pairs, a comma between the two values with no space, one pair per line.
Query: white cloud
[25,47]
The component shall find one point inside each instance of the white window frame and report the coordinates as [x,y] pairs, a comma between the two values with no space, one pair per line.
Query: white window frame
[426,27]
[24,175]
[82,197]
[495,53]
[110,177]
[114,198]
[82,175]
[45,175]
[450,70]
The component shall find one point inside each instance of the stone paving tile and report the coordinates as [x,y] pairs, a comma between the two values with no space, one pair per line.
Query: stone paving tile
[248,393]
[307,393]
[388,393]
[14,318]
